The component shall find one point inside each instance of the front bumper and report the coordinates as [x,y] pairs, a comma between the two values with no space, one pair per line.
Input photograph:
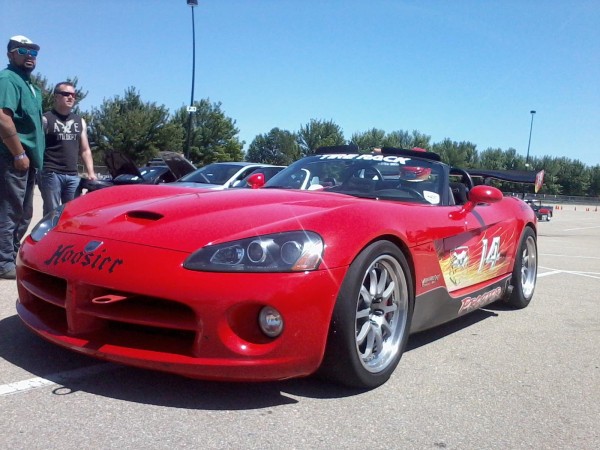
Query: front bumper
[136,305]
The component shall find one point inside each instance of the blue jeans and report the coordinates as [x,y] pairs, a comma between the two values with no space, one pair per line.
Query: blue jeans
[16,209]
[56,188]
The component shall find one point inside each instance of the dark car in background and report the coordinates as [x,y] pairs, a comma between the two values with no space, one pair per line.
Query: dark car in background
[167,167]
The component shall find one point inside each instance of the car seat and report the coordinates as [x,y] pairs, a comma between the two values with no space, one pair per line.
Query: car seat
[459,192]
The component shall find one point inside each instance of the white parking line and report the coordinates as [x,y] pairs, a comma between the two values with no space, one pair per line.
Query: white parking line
[581,228]
[570,256]
[545,274]
[594,275]
[52,379]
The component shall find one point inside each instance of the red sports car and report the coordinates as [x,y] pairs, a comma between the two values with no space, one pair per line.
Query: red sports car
[542,212]
[278,282]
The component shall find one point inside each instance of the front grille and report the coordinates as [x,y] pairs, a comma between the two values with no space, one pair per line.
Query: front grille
[134,321]
[48,288]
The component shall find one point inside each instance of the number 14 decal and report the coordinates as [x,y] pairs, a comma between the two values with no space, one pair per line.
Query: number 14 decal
[489,256]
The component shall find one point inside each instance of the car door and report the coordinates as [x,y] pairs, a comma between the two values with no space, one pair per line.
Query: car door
[483,251]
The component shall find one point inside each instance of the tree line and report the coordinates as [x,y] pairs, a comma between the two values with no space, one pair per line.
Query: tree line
[140,129]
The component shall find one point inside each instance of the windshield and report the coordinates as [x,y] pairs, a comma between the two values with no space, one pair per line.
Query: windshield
[388,177]
[150,173]
[218,173]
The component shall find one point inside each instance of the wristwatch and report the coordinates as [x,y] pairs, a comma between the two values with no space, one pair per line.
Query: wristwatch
[20,156]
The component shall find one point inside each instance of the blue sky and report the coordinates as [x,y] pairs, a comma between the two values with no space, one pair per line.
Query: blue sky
[466,70]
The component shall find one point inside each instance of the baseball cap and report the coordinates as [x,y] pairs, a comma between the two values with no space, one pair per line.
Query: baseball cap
[21,41]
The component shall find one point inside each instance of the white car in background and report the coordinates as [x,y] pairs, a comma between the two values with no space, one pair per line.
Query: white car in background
[220,175]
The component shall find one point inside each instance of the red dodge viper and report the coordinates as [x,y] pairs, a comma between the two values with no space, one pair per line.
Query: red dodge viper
[327,268]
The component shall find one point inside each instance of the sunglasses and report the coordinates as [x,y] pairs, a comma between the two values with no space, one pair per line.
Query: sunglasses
[25,51]
[66,94]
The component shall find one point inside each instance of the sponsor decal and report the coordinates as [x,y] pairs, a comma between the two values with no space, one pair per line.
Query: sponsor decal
[93,259]
[429,280]
[458,264]
[431,197]
[478,259]
[459,270]
[490,256]
[368,157]
[469,304]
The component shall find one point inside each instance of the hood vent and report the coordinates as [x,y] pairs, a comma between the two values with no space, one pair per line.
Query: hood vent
[144,215]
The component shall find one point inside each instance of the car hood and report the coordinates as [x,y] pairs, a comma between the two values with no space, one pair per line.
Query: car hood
[177,163]
[187,219]
[119,163]
[191,184]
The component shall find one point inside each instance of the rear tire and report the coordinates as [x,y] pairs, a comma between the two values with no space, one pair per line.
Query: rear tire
[371,319]
[524,275]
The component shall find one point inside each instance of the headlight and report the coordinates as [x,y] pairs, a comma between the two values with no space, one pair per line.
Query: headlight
[283,252]
[48,222]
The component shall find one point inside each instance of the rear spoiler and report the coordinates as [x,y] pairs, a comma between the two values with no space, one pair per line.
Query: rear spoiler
[514,176]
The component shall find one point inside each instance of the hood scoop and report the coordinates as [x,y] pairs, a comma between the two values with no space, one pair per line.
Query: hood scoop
[143,216]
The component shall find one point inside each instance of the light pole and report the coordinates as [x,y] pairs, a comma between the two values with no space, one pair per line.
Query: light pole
[191,109]
[529,144]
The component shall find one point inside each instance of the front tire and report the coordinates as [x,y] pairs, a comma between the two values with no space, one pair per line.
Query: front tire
[371,318]
[524,275]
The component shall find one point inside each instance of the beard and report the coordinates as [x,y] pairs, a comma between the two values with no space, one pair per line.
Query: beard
[26,66]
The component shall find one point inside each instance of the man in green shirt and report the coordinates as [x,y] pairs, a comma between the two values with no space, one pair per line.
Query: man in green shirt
[21,148]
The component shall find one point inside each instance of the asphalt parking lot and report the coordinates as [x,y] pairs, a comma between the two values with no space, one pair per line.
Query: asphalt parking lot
[495,379]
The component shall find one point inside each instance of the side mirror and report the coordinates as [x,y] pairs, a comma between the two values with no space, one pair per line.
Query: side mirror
[256,180]
[485,194]
[479,194]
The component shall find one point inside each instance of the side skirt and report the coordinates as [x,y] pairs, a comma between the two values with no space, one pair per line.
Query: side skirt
[438,306]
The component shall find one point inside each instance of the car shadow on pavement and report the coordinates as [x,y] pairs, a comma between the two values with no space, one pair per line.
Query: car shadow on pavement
[433,334]
[25,350]
[68,370]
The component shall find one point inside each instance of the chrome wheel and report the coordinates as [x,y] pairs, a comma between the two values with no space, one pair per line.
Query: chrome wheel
[528,267]
[524,274]
[371,318]
[381,314]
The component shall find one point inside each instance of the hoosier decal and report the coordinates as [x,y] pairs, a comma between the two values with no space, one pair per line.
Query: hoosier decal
[97,260]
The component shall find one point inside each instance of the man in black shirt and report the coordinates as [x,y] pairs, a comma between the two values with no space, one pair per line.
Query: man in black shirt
[66,140]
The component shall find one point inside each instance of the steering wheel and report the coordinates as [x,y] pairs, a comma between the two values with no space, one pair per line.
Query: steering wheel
[465,177]
[412,191]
